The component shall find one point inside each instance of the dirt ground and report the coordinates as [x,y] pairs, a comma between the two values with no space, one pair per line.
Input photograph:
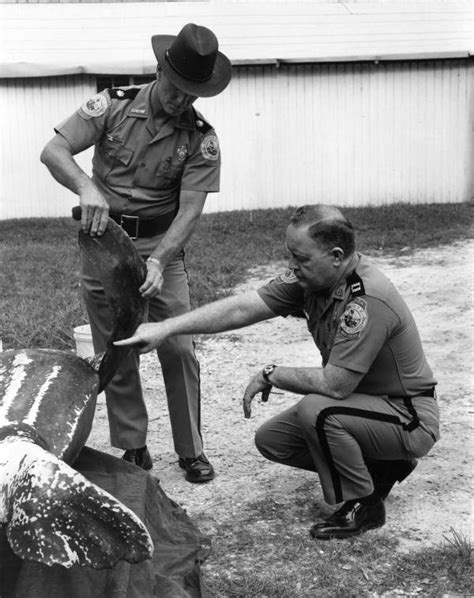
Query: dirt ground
[438,286]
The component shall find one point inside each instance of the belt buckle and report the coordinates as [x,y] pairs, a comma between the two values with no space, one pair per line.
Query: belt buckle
[125,221]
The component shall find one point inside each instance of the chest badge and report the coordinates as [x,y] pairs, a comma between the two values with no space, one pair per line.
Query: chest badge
[182,153]
[355,317]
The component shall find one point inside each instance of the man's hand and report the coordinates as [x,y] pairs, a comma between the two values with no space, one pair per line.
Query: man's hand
[146,338]
[154,280]
[94,211]
[256,385]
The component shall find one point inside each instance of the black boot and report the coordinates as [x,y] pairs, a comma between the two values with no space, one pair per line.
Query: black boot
[386,473]
[140,457]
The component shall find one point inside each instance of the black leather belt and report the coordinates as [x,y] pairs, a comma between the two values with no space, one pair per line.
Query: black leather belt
[137,226]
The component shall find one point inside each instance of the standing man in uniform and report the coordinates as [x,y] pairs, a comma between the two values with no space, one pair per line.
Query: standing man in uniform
[370,410]
[155,160]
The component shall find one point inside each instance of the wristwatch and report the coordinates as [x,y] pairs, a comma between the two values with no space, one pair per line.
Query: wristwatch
[267,371]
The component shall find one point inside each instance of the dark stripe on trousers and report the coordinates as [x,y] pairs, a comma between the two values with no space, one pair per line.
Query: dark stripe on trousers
[320,421]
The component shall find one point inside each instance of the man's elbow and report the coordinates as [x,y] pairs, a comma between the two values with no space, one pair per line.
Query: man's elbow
[56,148]
[337,393]
[339,390]
[46,154]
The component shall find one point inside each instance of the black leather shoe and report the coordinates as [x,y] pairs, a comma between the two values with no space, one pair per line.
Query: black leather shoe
[198,469]
[386,473]
[338,517]
[357,521]
[140,457]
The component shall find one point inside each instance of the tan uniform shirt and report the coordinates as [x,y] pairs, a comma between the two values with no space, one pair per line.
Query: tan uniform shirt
[362,325]
[139,169]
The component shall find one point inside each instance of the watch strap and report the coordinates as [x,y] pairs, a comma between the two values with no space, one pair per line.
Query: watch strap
[267,371]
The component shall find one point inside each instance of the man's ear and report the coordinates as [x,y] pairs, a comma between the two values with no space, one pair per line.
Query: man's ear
[337,255]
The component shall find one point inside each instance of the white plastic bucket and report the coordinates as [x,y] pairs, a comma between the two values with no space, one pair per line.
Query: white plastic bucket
[83,340]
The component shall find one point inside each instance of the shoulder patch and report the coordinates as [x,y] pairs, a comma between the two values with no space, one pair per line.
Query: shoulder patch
[288,277]
[210,147]
[123,94]
[355,317]
[96,106]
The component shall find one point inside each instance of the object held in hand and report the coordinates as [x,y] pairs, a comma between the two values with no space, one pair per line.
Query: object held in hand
[266,372]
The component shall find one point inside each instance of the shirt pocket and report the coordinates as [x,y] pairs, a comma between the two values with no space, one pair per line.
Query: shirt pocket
[166,176]
[169,173]
[115,159]
[115,150]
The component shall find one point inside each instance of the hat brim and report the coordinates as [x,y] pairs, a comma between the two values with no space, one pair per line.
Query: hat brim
[217,83]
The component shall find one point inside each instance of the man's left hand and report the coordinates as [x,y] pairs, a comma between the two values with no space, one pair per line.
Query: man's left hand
[153,282]
[256,385]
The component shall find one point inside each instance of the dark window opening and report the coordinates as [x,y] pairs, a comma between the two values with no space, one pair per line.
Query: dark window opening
[109,81]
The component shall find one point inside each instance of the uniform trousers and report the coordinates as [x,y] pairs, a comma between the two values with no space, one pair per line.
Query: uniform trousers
[334,438]
[127,413]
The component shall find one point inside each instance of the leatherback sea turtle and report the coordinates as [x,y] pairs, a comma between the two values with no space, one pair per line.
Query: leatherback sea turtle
[52,513]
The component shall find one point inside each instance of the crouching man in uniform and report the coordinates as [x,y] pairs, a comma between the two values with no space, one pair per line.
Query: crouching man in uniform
[370,410]
[155,160]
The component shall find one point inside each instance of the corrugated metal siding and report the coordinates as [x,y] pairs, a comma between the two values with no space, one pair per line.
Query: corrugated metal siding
[346,134]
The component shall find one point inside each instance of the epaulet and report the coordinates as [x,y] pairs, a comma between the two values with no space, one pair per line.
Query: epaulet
[123,94]
[201,124]
[356,284]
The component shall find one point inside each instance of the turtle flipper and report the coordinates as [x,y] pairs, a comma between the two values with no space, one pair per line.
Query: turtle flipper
[58,517]
[122,271]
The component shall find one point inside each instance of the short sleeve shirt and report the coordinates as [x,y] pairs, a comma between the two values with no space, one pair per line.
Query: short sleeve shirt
[362,325]
[138,168]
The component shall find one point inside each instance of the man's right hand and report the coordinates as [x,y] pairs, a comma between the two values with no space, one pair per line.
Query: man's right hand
[94,211]
[147,337]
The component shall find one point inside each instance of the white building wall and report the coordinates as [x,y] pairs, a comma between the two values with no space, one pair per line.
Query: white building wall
[345,134]
[30,109]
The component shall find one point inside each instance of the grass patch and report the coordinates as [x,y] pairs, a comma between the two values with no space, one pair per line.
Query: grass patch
[40,300]
[290,564]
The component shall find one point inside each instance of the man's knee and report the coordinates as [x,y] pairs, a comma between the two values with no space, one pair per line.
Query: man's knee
[309,408]
[275,446]
[267,446]
[261,441]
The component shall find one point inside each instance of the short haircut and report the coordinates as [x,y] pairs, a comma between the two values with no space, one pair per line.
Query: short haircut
[327,226]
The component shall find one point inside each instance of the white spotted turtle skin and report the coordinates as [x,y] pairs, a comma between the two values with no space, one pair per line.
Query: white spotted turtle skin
[53,514]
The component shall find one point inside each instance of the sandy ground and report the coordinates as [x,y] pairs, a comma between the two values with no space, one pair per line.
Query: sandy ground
[438,286]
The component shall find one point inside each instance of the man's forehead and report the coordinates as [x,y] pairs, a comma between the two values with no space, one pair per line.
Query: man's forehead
[298,239]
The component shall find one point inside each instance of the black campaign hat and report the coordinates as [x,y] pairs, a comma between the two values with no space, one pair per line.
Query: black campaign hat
[192,62]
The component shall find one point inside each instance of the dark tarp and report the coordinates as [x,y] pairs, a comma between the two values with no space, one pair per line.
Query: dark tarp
[173,572]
